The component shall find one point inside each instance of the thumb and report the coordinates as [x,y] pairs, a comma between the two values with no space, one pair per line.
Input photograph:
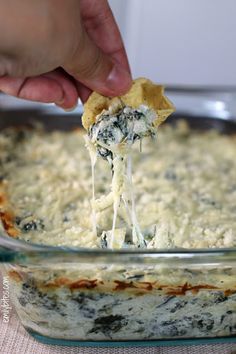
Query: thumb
[96,70]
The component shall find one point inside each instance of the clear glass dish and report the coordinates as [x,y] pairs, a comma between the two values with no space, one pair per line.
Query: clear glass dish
[126,297]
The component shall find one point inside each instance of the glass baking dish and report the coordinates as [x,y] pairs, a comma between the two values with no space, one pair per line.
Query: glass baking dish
[87,297]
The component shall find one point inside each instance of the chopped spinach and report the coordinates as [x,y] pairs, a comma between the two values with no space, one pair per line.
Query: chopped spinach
[103,240]
[170,175]
[108,324]
[28,224]
[127,125]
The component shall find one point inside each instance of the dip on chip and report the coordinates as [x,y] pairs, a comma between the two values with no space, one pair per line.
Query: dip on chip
[142,92]
[113,125]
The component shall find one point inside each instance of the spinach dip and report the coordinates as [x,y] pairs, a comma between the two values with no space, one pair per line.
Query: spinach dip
[184,188]
[183,184]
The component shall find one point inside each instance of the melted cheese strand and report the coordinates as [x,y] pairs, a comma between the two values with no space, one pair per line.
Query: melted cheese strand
[94,219]
[137,236]
[117,187]
[113,135]
[115,212]
[122,183]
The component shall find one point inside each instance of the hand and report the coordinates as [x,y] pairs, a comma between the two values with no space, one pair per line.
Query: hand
[57,51]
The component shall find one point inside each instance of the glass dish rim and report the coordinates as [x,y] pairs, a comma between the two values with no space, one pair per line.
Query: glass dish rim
[12,244]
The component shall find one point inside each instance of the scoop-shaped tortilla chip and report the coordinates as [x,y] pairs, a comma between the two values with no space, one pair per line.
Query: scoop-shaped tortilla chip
[142,92]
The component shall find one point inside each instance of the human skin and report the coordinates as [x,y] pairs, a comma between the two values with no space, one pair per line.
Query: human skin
[59,51]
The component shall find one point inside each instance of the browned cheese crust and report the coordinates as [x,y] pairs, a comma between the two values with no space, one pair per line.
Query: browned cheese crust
[6,212]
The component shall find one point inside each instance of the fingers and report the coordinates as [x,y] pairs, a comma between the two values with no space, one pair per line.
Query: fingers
[52,87]
[96,70]
[100,67]
[68,86]
[34,89]
[83,91]
[91,52]
[102,28]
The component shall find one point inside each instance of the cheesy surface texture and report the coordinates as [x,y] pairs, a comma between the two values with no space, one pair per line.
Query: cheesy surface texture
[185,190]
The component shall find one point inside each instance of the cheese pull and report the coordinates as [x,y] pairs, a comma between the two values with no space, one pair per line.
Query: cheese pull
[113,125]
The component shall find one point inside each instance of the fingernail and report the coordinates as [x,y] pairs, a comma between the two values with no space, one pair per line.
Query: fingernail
[60,102]
[67,109]
[119,80]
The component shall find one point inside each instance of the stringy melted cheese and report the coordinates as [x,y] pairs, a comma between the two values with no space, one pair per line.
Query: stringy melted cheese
[112,137]
[185,190]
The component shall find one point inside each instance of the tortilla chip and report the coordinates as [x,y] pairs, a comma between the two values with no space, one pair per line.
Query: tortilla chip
[142,92]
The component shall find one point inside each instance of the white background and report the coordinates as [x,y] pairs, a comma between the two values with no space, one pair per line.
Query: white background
[189,42]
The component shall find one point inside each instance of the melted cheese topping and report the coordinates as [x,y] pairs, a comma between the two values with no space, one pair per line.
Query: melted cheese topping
[184,181]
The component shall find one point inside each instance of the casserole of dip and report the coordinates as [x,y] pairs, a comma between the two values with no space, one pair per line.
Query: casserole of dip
[68,285]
